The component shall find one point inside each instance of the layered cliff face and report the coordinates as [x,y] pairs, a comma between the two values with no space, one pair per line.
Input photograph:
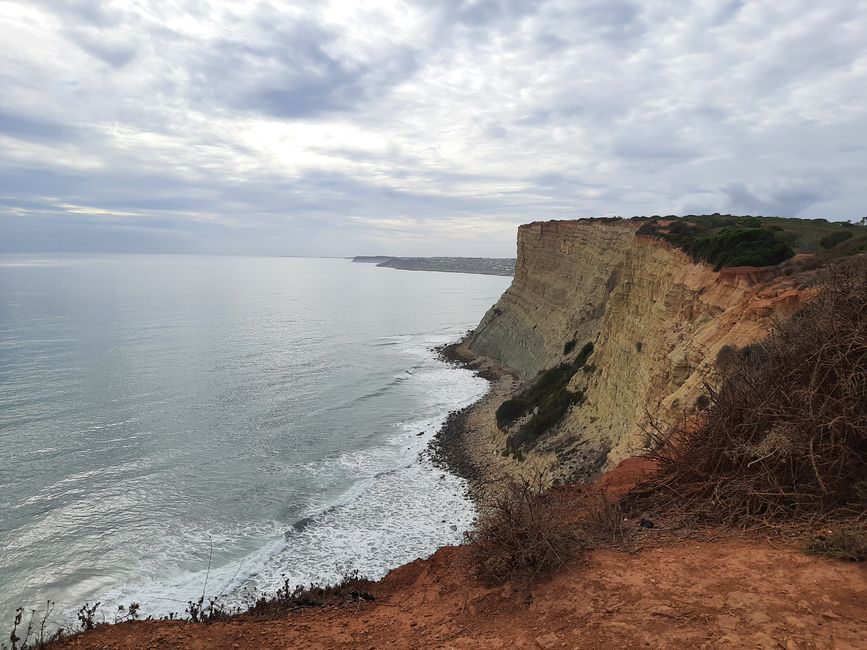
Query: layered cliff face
[657,322]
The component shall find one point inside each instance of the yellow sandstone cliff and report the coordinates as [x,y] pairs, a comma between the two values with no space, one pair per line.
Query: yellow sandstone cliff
[657,321]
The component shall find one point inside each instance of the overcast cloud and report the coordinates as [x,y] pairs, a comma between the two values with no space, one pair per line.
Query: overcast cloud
[343,128]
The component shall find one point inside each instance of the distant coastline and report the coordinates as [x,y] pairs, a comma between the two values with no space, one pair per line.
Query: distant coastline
[478,265]
[371,259]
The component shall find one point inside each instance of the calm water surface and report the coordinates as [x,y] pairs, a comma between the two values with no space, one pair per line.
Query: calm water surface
[269,413]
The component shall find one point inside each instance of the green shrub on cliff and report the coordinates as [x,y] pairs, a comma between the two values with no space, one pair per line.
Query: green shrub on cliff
[550,412]
[739,247]
[728,240]
[547,397]
[829,241]
[510,410]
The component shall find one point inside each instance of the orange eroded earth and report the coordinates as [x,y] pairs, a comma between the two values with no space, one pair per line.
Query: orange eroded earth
[732,593]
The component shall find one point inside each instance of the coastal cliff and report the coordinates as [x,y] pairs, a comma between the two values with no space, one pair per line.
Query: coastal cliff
[610,327]
[656,319]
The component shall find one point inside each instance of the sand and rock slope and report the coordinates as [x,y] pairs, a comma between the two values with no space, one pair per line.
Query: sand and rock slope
[691,594]
[657,321]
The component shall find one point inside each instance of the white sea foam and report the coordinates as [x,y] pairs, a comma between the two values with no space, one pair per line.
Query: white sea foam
[399,508]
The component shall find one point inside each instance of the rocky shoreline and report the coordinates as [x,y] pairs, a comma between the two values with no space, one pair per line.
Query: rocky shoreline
[451,447]
[469,443]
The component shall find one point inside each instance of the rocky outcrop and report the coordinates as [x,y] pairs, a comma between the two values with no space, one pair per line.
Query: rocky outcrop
[657,321]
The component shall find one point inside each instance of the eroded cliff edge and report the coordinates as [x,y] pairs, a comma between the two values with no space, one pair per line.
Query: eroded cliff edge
[656,319]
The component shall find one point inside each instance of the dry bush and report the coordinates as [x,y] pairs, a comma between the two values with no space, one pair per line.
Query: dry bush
[524,533]
[603,522]
[351,588]
[785,436]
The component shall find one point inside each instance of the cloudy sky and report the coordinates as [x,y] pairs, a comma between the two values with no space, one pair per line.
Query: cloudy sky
[340,128]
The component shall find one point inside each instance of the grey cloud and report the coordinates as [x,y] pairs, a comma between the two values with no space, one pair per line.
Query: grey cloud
[726,12]
[785,201]
[291,73]
[117,54]
[104,30]
[110,189]
[65,233]
[255,202]
[642,148]
[33,128]
[286,129]
[84,12]
[613,19]
[485,13]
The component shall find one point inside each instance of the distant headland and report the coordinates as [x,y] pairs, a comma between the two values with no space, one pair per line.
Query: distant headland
[478,265]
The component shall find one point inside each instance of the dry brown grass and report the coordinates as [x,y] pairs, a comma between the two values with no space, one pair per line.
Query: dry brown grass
[785,436]
[351,588]
[603,519]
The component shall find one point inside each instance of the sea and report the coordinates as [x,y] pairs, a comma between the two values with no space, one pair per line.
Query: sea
[179,426]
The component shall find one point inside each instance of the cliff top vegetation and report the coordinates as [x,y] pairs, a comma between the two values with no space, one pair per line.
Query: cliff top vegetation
[729,240]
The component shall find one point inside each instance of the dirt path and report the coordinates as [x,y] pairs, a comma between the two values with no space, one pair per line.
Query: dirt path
[727,594]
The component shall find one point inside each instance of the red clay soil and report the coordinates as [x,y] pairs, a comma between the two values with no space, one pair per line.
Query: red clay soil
[628,473]
[733,593]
